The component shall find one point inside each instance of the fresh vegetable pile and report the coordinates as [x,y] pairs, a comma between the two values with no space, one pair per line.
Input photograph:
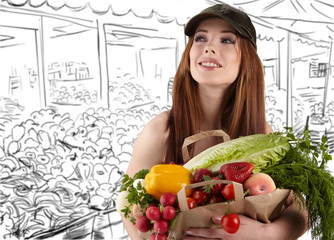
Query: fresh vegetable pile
[259,162]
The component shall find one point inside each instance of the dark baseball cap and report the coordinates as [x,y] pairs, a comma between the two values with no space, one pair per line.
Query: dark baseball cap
[238,19]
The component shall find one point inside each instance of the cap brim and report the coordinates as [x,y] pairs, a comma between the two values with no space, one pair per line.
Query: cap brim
[196,20]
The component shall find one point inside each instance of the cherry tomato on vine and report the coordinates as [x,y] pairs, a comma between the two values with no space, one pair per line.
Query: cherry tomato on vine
[230,223]
[216,199]
[228,191]
[191,203]
[200,197]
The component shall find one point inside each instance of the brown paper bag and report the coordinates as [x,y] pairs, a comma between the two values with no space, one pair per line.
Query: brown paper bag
[264,208]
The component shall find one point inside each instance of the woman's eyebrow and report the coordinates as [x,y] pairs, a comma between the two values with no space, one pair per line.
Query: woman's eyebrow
[223,31]
[201,30]
[228,31]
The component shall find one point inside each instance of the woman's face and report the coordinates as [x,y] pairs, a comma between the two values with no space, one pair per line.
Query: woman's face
[215,55]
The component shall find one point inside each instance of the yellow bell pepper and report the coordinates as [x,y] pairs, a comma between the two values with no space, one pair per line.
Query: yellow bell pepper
[164,178]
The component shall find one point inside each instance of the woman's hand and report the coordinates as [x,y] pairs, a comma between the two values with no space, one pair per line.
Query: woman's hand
[250,229]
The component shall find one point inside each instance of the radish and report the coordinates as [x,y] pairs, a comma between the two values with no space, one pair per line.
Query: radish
[168,199]
[161,226]
[153,213]
[155,236]
[143,224]
[168,213]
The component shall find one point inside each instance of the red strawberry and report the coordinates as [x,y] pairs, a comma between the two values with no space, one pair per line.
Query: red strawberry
[200,173]
[237,172]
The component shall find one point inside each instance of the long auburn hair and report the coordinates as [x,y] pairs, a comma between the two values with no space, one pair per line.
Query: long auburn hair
[244,111]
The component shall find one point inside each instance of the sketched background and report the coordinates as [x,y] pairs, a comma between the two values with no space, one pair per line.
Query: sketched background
[79,80]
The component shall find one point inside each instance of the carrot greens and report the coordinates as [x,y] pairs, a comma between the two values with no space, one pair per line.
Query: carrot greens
[304,170]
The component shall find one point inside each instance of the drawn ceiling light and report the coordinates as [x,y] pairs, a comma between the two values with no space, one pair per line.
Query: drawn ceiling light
[70,29]
[123,35]
[5,38]
[5,41]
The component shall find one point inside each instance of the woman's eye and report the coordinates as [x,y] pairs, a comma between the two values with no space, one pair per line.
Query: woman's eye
[199,39]
[228,40]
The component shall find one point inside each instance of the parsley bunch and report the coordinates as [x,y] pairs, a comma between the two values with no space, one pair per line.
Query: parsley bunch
[137,195]
[304,170]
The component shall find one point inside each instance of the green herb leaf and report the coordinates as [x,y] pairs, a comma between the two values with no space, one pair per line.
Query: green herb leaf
[207,188]
[137,195]
[141,174]
[312,183]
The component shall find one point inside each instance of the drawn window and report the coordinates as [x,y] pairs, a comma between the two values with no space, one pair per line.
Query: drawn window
[318,70]
[322,69]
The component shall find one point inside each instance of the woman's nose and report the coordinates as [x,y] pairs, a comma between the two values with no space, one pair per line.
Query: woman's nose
[210,50]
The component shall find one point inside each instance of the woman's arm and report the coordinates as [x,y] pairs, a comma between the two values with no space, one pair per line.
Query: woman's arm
[149,150]
[289,226]
[293,221]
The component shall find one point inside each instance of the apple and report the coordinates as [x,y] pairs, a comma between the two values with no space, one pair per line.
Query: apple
[259,183]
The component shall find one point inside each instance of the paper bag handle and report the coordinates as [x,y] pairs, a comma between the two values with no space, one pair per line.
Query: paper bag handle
[182,198]
[199,136]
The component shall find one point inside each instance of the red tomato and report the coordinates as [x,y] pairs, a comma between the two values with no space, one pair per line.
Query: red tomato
[216,199]
[200,197]
[228,191]
[191,203]
[230,223]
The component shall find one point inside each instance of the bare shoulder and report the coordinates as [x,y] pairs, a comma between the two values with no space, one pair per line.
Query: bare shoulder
[150,146]
[268,128]
[155,129]
[158,122]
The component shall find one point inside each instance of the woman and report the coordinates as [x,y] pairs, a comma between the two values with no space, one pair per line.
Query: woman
[219,85]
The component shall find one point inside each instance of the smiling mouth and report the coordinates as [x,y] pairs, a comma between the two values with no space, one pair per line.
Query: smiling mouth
[210,64]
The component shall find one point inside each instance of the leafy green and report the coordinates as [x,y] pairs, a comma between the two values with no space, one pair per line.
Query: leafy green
[304,170]
[207,188]
[262,150]
[137,195]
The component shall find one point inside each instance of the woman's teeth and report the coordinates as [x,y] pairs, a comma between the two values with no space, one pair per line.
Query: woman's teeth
[209,64]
